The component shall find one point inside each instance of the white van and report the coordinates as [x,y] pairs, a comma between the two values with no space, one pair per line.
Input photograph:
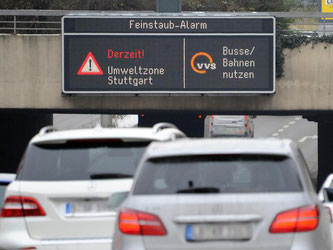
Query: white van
[228,126]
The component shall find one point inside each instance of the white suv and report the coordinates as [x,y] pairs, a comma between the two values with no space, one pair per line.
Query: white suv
[70,184]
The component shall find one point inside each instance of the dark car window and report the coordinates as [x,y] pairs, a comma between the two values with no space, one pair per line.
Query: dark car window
[328,194]
[3,186]
[218,174]
[81,161]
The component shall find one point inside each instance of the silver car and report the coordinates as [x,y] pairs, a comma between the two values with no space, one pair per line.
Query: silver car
[326,196]
[252,194]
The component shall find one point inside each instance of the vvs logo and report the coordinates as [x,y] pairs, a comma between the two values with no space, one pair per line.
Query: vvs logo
[200,64]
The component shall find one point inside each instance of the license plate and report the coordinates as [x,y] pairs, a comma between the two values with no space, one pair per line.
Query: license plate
[221,130]
[88,208]
[226,231]
[230,130]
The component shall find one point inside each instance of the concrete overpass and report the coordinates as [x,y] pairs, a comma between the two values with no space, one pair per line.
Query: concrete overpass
[31,79]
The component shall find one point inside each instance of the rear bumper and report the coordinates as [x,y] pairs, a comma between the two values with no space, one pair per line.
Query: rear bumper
[82,244]
[13,235]
[59,244]
[222,130]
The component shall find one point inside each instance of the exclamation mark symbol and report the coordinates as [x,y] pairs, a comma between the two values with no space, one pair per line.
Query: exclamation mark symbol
[89,64]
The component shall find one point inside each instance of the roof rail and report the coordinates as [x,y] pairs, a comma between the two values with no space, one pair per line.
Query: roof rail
[163,125]
[46,130]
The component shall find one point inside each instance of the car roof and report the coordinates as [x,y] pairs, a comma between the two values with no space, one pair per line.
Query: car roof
[269,146]
[130,134]
[6,178]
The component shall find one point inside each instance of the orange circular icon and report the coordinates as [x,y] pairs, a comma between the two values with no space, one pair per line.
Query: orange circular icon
[197,55]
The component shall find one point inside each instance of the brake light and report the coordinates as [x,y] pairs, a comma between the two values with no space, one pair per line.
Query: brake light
[17,206]
[329,213]
[246,121]
[301,219]
[139,223]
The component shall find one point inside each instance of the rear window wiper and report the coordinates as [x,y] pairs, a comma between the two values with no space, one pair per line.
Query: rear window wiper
[199,190]
[110,176]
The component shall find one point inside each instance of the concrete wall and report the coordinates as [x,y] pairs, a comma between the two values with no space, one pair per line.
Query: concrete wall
[31,78]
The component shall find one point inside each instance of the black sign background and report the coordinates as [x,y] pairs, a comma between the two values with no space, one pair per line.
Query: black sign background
[173,53]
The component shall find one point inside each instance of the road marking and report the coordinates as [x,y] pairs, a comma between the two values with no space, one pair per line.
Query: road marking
[287,126]
[314,137]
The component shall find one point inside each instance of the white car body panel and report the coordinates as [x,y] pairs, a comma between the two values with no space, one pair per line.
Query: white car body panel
[60,229]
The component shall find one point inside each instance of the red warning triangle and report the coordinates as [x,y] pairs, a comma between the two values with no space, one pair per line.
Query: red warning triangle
[90,66]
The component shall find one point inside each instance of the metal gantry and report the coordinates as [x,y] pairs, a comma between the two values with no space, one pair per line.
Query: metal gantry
[49,21]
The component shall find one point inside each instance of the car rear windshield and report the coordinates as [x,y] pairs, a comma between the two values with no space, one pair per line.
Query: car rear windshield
[218,174]
[78,160]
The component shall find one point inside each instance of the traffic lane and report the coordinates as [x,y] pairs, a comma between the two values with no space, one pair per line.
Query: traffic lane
[304,133]
[298,130]
[266,126]
[301,131]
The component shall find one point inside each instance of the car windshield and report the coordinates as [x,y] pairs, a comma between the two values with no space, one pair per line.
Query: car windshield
[218,174]
[81,161]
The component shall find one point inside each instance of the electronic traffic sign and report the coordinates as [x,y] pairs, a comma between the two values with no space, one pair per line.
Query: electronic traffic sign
[175,55]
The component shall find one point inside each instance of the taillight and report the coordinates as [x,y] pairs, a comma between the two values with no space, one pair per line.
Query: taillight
[246,121]
[329,213]
[301,219]
[139,223]
[17,206]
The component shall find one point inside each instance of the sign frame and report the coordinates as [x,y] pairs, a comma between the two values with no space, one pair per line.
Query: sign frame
[326,19]
[170,16]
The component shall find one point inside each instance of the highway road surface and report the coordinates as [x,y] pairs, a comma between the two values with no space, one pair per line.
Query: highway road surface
[301,131]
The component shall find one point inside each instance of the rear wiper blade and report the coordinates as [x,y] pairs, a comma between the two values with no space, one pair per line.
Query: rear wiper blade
[200,190]
[110,176]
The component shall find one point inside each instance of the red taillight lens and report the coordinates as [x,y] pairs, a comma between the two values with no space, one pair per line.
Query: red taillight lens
[301,219]
[129,222]
[139,223]
[17,206]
